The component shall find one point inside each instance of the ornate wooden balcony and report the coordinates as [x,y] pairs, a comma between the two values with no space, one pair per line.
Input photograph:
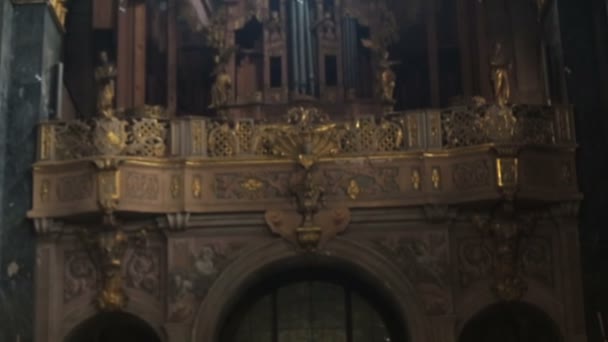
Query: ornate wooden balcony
[201,165]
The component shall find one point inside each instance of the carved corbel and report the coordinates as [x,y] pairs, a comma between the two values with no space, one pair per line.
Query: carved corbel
[307,138]
[505,231]
[178,221]
[312,235]
[46,226]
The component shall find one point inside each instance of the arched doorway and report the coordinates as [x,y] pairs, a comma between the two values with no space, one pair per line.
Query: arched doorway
[113,327]
[306,305]
[510,322]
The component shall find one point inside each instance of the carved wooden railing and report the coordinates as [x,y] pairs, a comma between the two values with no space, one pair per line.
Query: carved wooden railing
[201,137]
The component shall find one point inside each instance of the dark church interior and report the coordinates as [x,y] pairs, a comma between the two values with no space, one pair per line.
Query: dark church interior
[303,170]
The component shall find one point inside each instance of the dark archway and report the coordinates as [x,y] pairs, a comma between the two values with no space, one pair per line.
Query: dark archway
[305,304]
[510,322]
[113,327]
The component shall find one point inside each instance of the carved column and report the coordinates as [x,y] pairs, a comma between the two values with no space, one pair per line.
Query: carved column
[48,281]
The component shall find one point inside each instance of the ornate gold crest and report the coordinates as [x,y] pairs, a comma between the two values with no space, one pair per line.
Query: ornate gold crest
[110,136]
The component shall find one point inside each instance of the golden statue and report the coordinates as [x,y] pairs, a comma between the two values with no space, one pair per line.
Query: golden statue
[222,85]
[500,76]
[105,75]
[220,92]
[386,78]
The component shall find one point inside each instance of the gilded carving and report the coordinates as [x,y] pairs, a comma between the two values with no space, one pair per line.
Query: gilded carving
[143,270]
[146,138]
[105,76]
[222,141]
[416,179]
[507,172]
[353,190]
[107,249]
[108,189]
[60,9]
[142,186]
[74,188]
[424,259]
[436,178]
[252,186]
[471,175]
[372,181]
[197,187]
[305,128]
[110,136]
[500,76]
[175,188]
[194,268]
[79,275]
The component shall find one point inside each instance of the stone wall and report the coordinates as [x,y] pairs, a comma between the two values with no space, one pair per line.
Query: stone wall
[29,47]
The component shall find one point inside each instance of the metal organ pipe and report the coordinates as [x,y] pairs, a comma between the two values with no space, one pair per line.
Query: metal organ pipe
[308,50]
[295,61]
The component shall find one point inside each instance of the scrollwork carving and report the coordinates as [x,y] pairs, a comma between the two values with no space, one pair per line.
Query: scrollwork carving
[424,259]
[252,186]
[143,272]
[79,275]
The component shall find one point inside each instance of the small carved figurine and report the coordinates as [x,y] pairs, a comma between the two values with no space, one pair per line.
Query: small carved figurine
[386,78]
[388,84]
[220,93]
[273,25]
[500,76]
[105,75]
